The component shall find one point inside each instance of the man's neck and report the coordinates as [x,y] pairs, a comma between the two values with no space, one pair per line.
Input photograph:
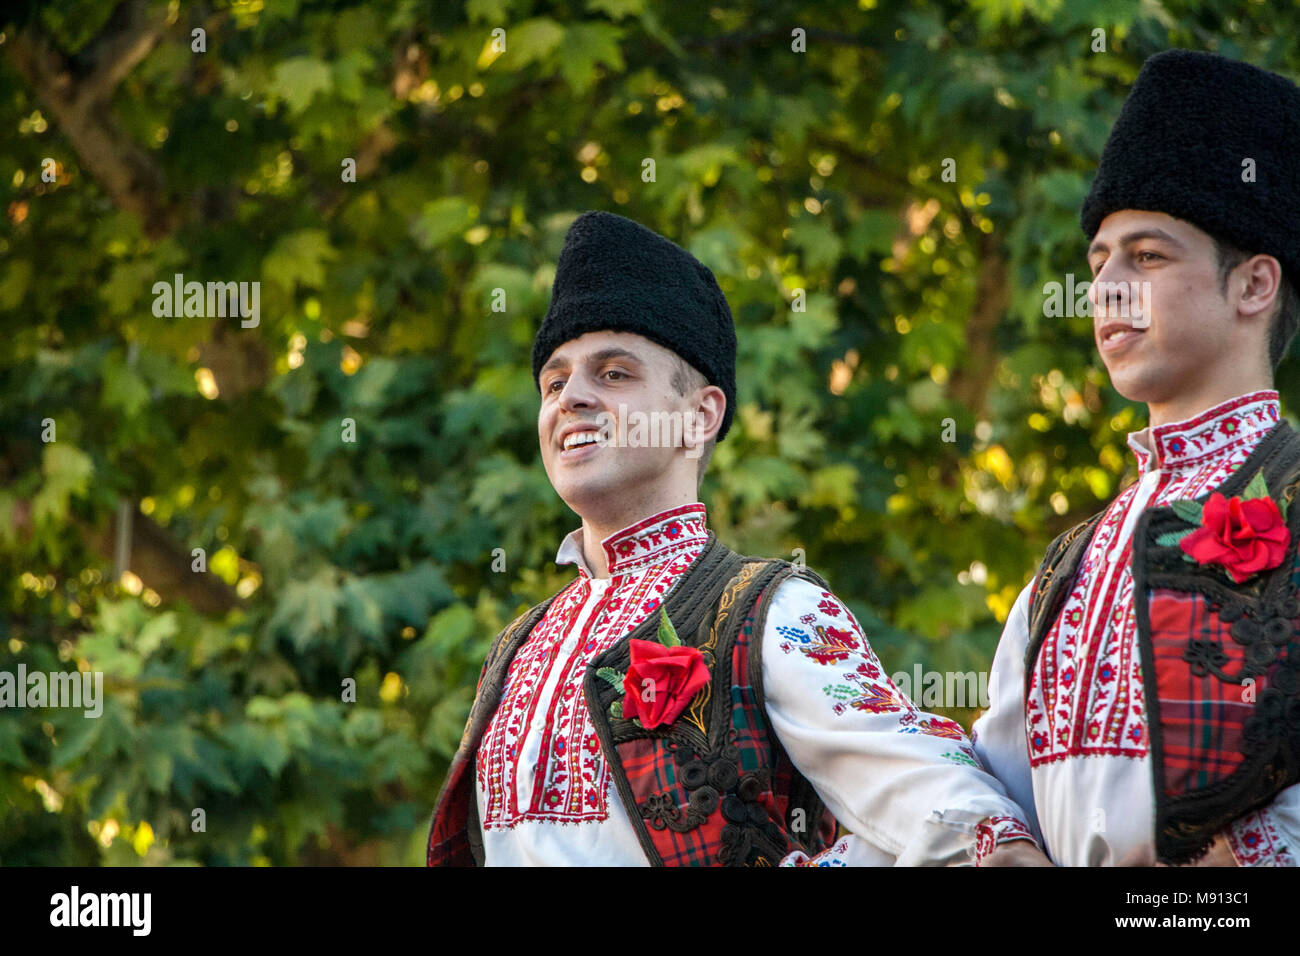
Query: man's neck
[1187,406]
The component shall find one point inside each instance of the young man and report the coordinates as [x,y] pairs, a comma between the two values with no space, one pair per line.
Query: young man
[594,738]
[1146,702]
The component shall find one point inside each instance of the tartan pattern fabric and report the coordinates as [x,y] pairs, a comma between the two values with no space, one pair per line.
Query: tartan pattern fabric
[449,833]
[1201,717]
[652,767]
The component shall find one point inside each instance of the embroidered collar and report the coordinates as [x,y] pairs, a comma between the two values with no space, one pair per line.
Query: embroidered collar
[653,540]
[1188,444]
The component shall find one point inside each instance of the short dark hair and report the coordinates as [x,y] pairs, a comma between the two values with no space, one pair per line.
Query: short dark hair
[1286,317]
[687,376]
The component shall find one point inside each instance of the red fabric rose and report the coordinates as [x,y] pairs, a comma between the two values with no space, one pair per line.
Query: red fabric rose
[668,676]
[1244,536]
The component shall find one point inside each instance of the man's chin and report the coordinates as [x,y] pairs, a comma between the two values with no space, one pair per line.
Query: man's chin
[575,490]
[1144,389]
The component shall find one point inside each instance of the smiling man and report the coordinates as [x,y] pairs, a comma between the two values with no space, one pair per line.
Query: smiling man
[1147,685]
[678,703]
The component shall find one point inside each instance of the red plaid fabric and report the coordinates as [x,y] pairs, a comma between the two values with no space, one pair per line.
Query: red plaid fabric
[1201,718]
[652,772]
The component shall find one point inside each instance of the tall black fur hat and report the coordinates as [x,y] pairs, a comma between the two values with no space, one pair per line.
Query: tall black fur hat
[617,275]
[1179,146]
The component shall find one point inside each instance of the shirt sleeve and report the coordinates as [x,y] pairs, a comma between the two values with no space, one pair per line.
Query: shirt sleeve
[906,784]
[999,735]
[1269,836]
[848,850]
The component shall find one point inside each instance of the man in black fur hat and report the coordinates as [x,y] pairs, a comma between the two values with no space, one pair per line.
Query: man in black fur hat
[1147,686]
[678,703]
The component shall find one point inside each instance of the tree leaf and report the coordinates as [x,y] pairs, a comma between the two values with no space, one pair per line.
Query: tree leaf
[298,79]
[586,45]
[299,258]
[439,220]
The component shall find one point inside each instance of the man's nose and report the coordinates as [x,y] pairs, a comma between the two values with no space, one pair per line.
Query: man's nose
[1107,292]
[577,392]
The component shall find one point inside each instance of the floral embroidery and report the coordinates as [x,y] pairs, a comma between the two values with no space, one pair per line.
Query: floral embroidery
[1255,841]
[995,830]
[869,697]
[1085,692]
[831,856]
[941,727]
[833,636]
[831,645]
[829,608]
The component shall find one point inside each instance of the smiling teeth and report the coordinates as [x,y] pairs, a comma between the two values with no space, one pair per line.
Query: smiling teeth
[580,438]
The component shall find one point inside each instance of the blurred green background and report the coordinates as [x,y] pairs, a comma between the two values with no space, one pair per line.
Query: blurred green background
[820,171]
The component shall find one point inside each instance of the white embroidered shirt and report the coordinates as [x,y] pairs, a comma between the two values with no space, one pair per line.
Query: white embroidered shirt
[904,783]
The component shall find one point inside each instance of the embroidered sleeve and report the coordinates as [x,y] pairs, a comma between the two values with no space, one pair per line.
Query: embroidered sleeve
[848,850]
[1269,836]
[989,833]
[893,775]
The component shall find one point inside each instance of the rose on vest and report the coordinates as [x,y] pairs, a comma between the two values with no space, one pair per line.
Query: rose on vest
[661,678]
[661,681]
[1244,534]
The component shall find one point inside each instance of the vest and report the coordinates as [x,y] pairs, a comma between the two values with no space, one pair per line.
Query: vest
[1220,661]
[714,787]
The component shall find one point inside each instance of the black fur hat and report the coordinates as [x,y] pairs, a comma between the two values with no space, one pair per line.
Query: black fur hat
[1181,143]
[617,275]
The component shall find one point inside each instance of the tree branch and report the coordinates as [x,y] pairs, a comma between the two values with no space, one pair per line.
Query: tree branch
[130,177]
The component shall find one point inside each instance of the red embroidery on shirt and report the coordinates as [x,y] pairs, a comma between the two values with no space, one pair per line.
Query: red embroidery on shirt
[1085,694]
[1255,841]
[569,779]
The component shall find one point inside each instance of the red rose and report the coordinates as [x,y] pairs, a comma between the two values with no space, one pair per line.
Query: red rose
[1244,536]
[661,681]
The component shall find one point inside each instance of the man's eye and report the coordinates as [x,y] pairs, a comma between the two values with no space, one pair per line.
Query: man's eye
[1148,252]
[555,381]
[614,371]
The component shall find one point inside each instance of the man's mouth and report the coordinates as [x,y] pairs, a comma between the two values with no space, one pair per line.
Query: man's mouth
[574,439]
[1114,336]
[579,444]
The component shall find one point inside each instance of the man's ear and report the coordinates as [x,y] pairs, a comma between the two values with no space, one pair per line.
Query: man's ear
[710,409]
[1261,282]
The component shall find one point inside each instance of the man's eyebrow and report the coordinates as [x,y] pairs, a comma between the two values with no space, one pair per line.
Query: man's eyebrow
[595,358]
[1137,236]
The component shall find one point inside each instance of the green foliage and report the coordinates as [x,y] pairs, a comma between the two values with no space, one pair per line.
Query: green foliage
[814,179]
